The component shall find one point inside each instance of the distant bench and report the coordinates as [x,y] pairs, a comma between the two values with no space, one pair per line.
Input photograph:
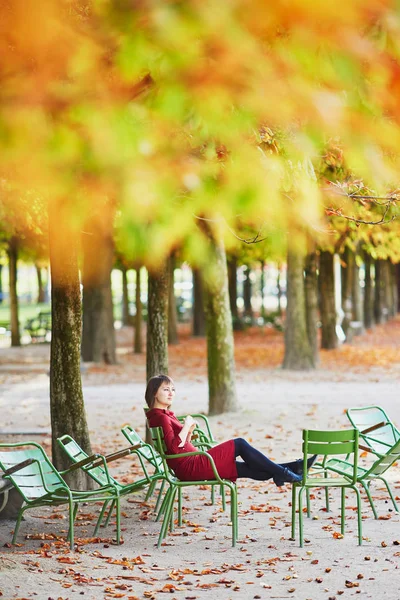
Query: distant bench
[38,327]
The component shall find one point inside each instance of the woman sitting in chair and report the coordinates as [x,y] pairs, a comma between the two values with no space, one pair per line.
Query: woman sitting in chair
[159,395]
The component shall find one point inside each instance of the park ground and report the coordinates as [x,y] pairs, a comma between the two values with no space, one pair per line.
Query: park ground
[197,562]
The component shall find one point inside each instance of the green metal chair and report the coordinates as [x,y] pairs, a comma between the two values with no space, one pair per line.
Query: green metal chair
[176,486]
[377,432]
[366,475]
[100,473]
[30,471]
[147,454]
[326,444]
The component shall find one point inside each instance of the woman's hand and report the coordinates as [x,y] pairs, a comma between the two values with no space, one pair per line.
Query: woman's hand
[189,437]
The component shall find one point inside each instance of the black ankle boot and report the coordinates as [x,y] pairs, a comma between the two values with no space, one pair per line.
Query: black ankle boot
[297,465]
[287,476]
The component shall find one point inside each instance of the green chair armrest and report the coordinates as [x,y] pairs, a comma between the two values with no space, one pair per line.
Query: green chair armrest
[198,453]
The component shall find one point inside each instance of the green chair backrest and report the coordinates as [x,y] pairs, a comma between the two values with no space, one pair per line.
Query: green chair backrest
[32,480]
[332,443]
[157,436]
[76,453]
[367,417]
[145,450]
[383,463]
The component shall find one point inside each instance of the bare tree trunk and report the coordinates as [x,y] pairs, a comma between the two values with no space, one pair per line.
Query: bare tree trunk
[157,323]
[232,290]
[279,288]
[311,300]
[398,285]
[379,299]
[1,285]
[368,294]
[137,344]
[172,316]
[357,311]
[329,339]
[389,289]
[262,286]
[40,296]
[247,293]
[12,252]
[298,353]
[66,397]
[125,297]
[395,298]
[220,344]
[347,278]
[199,320]
[98,338]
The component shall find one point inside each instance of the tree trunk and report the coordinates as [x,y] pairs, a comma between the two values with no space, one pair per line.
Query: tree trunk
[368,294]
[98,338]
[311,300]
[247,292]
[1,285]
[347,279]
[357,309]
[220,344]
[298,353]
[262,286]
[172,312]
[137,344]
[389,289]
[12,252]
[66,398]
[41,294]
[379,297]
[398,285]
[232,290]
[125,297]
[157,323]
[279,289]
[393,269]
[199,320]
[329,339]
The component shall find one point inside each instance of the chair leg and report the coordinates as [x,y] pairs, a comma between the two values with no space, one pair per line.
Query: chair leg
[396,508]
[212,495]
[75,510]
[222,489]
[308,503]
[109,513]
[293,532]
[150,490]
[118,518]
[101,515]
[163,505]
[72,514]
[160,493]
[301,533]
[234,514]
[180,507]
[18,523]
[169,497]
[343,510]
[367,491]
[359,519]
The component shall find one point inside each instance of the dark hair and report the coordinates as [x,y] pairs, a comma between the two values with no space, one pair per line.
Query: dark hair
[153,385]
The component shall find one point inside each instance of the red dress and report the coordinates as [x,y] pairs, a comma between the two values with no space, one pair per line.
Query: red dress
[192,468]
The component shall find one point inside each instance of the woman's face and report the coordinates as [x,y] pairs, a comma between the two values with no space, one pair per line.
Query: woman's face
[164,395]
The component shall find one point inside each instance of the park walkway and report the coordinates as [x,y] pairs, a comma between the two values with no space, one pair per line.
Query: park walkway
[197,561]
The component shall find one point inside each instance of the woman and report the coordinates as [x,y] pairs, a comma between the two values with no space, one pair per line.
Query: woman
[159,395]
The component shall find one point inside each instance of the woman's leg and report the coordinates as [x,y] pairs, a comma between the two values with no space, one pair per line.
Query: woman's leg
[260,467]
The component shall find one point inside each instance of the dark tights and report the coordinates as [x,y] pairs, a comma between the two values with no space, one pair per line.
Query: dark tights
[255,464]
